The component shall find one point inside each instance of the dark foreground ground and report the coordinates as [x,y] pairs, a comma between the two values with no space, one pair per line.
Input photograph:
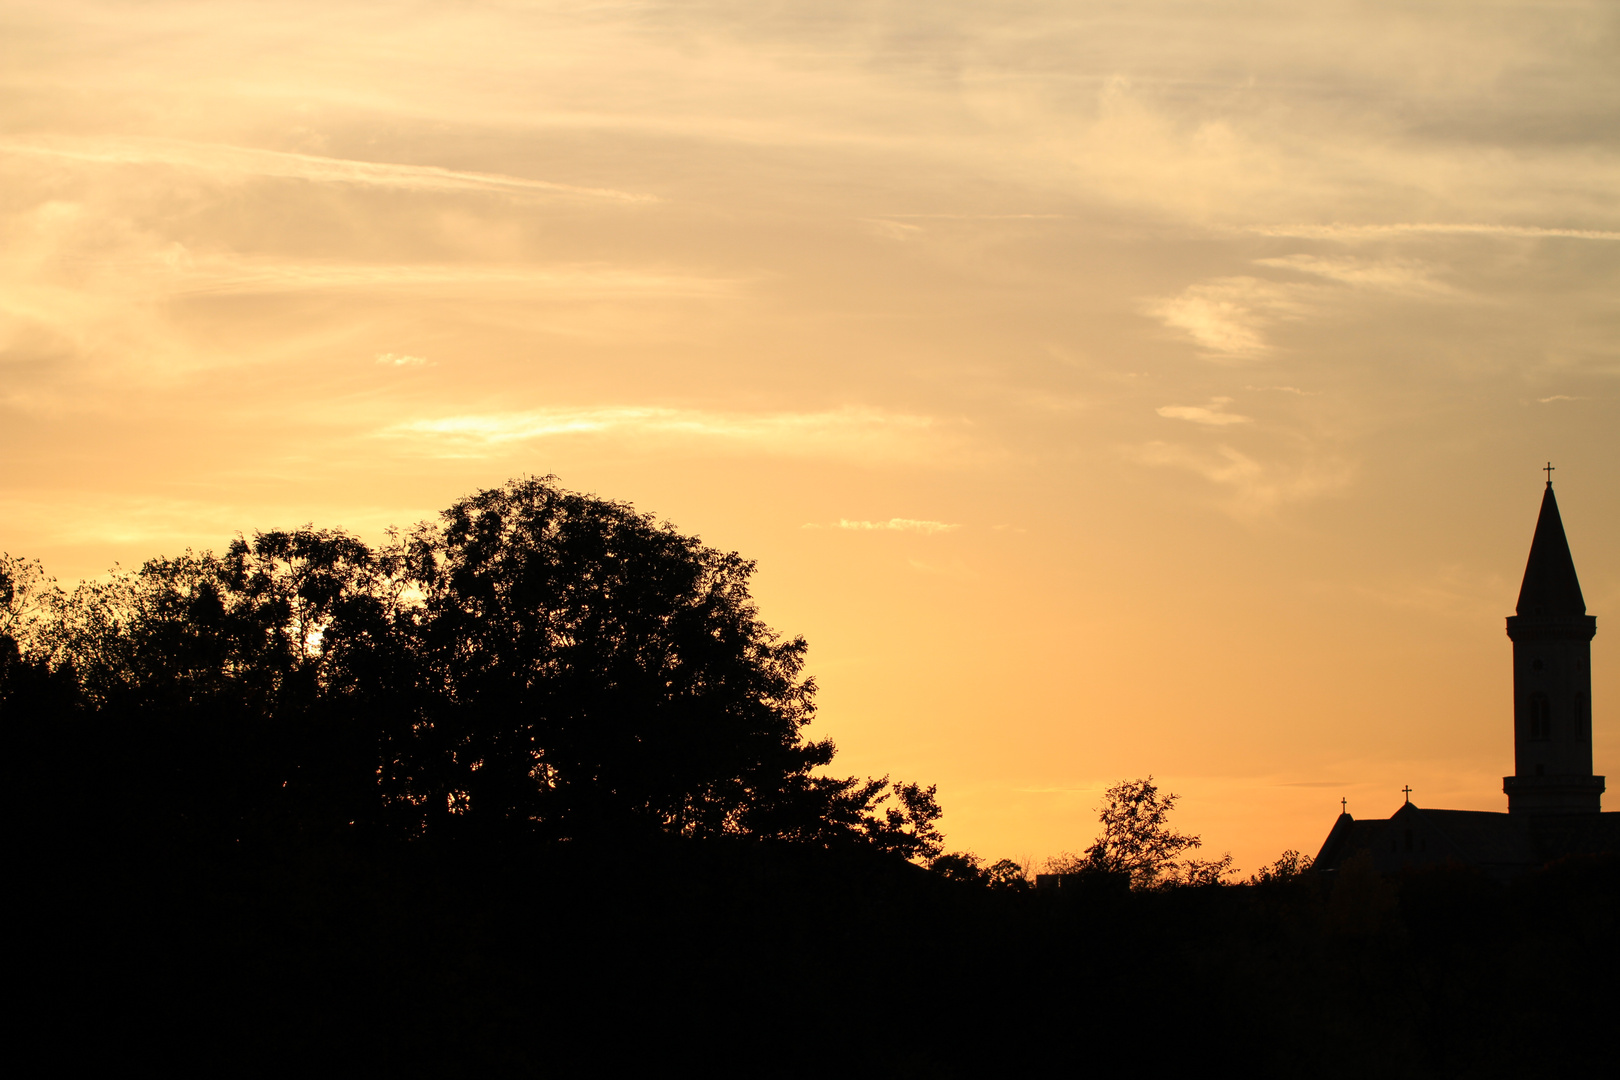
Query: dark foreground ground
[413,960]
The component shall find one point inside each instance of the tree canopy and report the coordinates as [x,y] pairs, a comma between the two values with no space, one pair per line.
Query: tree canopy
[538,662]
[1138,845]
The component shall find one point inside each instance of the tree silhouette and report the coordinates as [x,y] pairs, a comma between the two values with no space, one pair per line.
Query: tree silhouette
[965,866]
[586,669]
[528,789]
[24,593]
[539,663]
[1138,844]
[1290,866]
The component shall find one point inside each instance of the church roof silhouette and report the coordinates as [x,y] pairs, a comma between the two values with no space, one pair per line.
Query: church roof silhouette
[1554,799]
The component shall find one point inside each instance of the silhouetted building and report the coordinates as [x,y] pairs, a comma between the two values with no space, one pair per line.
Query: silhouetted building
[1554,800]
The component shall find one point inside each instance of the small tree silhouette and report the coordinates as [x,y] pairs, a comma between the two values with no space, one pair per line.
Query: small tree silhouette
[1138,843]
[1290,866]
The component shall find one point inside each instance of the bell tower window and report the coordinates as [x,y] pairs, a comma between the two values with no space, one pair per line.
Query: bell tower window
[1540,718]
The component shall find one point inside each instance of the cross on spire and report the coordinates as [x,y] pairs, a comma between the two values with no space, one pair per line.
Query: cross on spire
[1344,806]
[1549,470]
[1408,790]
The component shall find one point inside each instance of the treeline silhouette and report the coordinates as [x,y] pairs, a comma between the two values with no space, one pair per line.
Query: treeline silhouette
[530,790]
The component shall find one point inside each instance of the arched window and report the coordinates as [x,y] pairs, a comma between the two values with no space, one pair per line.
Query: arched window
[1540,717]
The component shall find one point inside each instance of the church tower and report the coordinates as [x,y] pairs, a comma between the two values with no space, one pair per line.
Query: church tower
[1552,681]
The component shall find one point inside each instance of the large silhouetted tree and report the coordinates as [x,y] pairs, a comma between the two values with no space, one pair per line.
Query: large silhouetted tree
[587,669]
[539,662]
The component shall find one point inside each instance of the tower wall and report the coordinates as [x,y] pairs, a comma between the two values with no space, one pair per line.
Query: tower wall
[1552,715]
[1552,680]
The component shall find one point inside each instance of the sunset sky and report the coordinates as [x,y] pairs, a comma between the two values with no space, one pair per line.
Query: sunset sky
[1104,389]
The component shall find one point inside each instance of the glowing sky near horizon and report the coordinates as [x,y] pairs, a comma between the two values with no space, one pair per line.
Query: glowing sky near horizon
[1104,389]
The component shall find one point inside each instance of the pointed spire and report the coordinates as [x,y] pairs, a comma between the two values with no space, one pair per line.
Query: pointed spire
[1550,586]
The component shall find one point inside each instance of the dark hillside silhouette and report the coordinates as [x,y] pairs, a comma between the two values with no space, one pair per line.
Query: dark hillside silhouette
[528,791]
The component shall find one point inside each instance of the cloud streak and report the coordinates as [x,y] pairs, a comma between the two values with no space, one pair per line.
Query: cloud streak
[247,161]
[1347,232]
[243,276]
[1257,488]
[848,432]
[1212,415]
[1227,315]
[1400,276]
[892,525]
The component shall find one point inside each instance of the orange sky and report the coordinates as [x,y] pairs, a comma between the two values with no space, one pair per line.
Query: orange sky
[1104,389]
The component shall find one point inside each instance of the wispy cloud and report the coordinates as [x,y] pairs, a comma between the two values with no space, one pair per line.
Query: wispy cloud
[1339,231]
[1405,276]
[1256,488]
[982,217]
[892,230]
[1214,414]
[163,522]
[1227,315]
[853,432]
[1559,397]
[891,525]
[401,360]
[220,158]
[223,275]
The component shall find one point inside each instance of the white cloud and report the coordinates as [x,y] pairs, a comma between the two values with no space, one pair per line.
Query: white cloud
[1227,315]
[981,217]
[246,161]
[1255,488]
[226,275]
[401,360]
[861,433]
[1406,276]
[891,525]
[1345,232]
[1214,414]
[892,230]
[1558,397]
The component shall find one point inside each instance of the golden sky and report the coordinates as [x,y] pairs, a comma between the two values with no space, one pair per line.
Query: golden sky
[1103,388]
